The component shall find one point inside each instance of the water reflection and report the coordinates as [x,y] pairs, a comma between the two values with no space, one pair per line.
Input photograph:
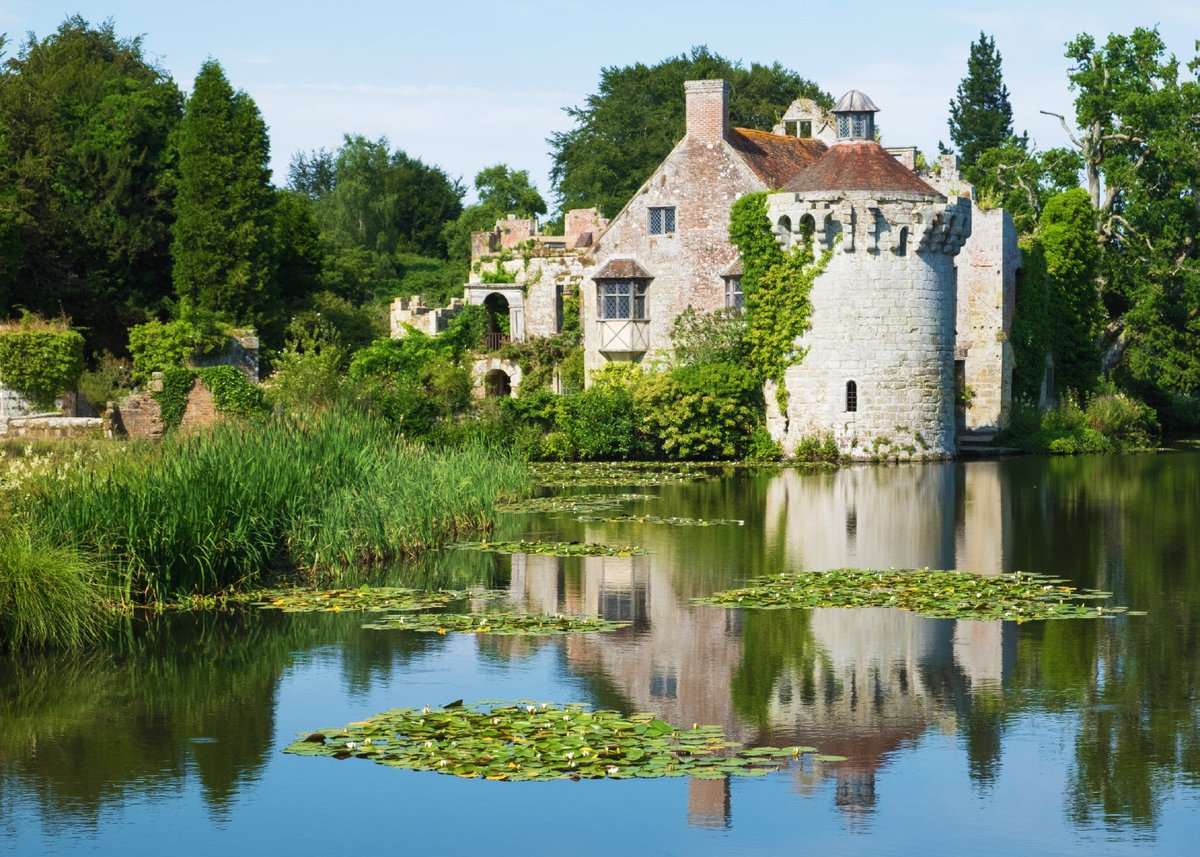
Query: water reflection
[190,703]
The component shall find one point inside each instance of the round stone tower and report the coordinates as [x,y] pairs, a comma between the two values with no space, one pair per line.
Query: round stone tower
[878,374]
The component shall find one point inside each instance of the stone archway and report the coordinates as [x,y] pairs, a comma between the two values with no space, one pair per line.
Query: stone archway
[499,329]
[497,384]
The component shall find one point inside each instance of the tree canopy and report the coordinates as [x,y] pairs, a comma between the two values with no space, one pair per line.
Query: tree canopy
[1138,134]
[630,124]
[501,191]
[86,179]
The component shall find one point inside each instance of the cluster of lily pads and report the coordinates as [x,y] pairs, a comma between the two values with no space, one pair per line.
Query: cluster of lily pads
[372,599]
[540,741]
[494,623]
[608,473]
[572,503]
[551,548]
[1018,597]
[658,519]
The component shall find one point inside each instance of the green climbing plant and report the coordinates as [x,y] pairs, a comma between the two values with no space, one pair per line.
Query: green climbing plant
[777,286]
[40,359]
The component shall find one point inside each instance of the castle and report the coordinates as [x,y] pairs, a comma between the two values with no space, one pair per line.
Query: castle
[910,320]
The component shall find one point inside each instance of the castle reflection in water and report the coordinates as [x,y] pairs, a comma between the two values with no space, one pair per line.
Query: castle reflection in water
[854,682]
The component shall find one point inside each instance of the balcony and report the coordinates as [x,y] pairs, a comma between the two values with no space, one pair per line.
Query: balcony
[624,335]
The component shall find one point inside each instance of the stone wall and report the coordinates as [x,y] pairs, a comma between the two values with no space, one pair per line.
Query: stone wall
[139,416]
[987,281]
[701,179]
[883,316]
[53,428]
[13,405]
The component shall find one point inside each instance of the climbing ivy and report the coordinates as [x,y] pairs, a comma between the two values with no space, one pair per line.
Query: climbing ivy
[232,392]
[777,286]
[40,360]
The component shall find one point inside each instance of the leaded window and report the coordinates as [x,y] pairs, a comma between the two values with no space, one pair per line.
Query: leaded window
[622,299]
[851,396]
[662,220]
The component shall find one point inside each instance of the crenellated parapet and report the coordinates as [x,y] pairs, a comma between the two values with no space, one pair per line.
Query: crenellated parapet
[872,223]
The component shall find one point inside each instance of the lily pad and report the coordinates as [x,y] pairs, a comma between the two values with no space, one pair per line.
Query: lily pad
[371,599]
[1018,597]
[536,742]
[656,519]
[605,473]
[551,548]
[572,503]
[494,623]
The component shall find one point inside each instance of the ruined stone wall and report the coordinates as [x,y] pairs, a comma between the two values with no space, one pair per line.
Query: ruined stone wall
[987,282]
[139,416]
[883,317]
[13,405]
[701,180]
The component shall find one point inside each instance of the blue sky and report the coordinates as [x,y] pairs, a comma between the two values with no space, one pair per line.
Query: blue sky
[466,84]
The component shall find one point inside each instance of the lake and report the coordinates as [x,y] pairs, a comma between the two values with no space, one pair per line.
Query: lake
[1063,737]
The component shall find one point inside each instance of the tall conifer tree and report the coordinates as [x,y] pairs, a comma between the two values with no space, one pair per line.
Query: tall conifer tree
[223,208]
[980,115]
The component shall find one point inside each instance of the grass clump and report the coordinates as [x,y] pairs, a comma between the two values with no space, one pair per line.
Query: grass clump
[49,594]
[318,495]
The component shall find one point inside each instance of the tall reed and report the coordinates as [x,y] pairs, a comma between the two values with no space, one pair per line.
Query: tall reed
[206,512]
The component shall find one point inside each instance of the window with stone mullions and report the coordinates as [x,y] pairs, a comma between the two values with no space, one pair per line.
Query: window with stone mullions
[662,220]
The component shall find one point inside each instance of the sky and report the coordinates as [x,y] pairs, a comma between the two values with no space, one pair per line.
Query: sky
[468,84]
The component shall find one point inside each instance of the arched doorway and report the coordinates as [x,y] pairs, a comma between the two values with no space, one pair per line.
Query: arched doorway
[499,326]
[497,384]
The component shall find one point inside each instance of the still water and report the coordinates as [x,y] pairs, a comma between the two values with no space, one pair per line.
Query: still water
[1067,737]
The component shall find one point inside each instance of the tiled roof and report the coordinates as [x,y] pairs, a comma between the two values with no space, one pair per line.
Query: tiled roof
[859,165]
[775,159]
[735,268]
[621,269]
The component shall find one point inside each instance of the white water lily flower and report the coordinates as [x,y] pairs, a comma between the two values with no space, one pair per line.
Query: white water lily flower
[611,769]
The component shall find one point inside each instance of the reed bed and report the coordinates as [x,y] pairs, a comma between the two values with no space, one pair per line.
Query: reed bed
[318,495]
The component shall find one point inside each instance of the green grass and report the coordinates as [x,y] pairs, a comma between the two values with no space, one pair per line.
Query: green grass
[49,594]
[315,496]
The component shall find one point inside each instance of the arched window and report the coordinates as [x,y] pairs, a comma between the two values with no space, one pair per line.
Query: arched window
[851,397]
[902,244]
[808,225]
[783,231]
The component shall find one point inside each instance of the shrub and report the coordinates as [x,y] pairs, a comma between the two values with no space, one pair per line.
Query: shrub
[40,360]
[110,380]
[598,424]
[1124,420]
[817,449]
[156,347]
[762,447]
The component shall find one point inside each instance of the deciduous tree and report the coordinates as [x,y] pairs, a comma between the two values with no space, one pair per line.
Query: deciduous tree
[625,129]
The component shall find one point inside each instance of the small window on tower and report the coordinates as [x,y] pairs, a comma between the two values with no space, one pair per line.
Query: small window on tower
[851,397]
[662,220]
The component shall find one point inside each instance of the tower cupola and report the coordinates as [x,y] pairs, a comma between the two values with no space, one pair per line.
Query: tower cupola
[855,114]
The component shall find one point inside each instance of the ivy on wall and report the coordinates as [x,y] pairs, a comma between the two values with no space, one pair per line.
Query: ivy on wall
[777,285]
[232,392]
[40,360]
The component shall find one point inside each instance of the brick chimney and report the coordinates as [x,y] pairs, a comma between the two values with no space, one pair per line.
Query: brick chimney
[707,109]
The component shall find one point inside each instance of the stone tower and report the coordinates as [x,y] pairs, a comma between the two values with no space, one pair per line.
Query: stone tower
[879,370]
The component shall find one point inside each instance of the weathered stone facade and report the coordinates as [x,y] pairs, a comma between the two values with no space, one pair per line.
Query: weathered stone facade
[687,258]
[878,372]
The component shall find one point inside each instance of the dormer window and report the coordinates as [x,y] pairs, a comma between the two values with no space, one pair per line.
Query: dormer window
[662,220]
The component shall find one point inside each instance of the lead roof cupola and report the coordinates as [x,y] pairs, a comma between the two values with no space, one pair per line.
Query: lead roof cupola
[855,114]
